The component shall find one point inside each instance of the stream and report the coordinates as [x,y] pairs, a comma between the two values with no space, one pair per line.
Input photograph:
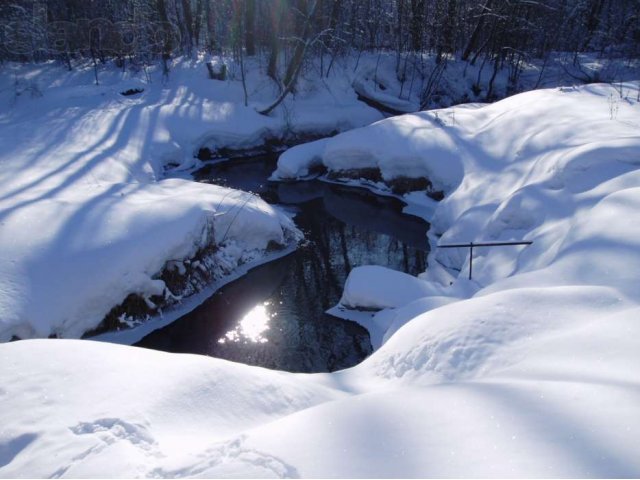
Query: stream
[274,316]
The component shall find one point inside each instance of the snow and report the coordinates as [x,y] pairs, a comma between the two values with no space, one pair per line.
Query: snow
[410,146]
[527,382]
[299,162]
[232,272]
[120,236]
[373,83]
[530,369]
[138,417]
[84,193]
[378,287]
[551,166]
[556,167]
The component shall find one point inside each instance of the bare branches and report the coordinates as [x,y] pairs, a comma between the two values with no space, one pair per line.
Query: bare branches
[286,32]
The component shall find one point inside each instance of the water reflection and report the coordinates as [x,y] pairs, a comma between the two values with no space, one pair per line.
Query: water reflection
[251,327]
[274,316]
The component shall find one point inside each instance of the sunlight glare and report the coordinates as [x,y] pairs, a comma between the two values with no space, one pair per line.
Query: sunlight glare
[251,327]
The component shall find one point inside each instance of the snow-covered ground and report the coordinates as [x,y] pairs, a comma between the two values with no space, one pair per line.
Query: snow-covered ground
[83,188]
[526,382]
[87,216]
[530,369]
[557,167]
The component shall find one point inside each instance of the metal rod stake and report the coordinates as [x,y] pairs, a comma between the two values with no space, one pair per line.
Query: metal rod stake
[482,244]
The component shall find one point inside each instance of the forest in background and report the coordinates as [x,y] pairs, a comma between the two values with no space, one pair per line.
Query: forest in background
[498,34]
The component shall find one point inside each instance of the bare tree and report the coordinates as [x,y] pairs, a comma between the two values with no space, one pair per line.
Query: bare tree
[295,65]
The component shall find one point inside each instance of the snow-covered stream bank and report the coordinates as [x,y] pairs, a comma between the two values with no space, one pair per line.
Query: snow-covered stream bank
[531,370]
[84,194]
[543,166]
[274,316]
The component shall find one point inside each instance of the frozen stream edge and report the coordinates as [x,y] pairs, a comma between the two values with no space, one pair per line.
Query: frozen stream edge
[418,204]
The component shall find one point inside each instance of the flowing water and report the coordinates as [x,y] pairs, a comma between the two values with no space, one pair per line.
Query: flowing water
[274,316]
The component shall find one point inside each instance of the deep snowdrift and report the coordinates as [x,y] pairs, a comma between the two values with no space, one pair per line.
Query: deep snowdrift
[531,369]
[527,382]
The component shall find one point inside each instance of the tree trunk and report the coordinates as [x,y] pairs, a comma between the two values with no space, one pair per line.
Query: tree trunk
[399,28]
[593,21]
[295,66]
[274,42]
[197,27]
[475,36]
[250,27]
[166,48]
[188,20]
[211,26]
[417,21]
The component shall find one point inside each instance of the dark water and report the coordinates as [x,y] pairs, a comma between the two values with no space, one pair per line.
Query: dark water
[274,316]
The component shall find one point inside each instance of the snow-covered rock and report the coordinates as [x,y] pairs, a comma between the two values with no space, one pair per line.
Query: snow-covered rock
[375,287]
[300,161]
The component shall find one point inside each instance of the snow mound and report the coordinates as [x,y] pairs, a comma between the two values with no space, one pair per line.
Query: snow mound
[411,146]
[120,236]
[111,403]
[375,287]
[521,383]
[488,334]
[298,162]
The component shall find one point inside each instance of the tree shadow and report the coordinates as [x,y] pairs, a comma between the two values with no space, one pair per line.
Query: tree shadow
[122,130]
[555,425]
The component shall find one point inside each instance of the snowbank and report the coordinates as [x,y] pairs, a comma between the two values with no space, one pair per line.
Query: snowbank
[527,382]
[112,413]
[119,236]
[558,167]
[411,146]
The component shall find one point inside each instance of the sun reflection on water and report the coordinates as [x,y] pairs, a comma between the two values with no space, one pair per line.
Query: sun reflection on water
[251,327]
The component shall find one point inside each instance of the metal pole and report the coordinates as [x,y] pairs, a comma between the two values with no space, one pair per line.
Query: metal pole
[481,244]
